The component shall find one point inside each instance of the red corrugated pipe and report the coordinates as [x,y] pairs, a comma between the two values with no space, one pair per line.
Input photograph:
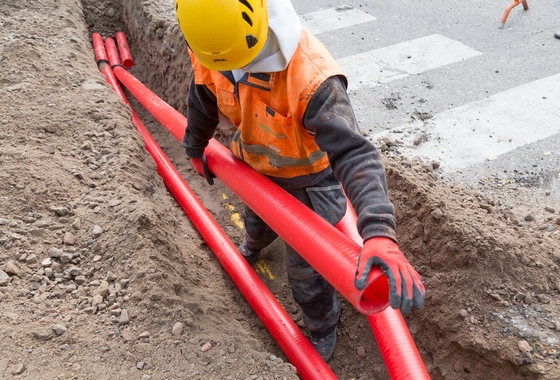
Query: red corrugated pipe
[124,50]
[288,336]
[396,344]
[330,252]
[397,347]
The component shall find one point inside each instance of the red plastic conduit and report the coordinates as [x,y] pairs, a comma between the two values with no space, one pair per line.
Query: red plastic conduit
[124,50]
[397,347]
[327,249]
[112,53]
[288,336]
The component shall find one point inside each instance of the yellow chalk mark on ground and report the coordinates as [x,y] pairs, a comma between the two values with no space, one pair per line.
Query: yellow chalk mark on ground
[262,267]
[235,216]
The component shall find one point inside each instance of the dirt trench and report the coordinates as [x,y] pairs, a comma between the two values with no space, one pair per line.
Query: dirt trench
[468,247]
[150,300]
[475,256]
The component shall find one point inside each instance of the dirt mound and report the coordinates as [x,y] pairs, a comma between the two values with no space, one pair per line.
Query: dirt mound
[102,275]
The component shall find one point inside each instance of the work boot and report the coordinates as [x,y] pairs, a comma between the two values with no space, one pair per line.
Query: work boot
[324,343]
[557,34]
[251,255]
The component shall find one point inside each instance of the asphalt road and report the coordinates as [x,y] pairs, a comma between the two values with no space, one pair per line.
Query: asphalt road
[485,100]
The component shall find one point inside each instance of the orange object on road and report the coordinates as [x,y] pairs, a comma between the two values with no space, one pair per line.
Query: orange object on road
[510,7]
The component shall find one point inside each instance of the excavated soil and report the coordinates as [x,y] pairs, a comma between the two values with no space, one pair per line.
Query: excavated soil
[103,276]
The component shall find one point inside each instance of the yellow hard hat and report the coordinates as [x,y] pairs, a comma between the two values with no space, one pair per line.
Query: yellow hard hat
[223,34]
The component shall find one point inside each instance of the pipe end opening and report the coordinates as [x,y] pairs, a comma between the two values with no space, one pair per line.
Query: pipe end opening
[128,63]
[375,297]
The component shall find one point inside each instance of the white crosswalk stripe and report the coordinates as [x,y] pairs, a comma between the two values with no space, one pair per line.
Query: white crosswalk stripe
[459,137]
[484,129]
[400,60]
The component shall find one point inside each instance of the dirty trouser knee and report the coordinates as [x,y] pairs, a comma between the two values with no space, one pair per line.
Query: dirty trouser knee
[257,233]
[316,297]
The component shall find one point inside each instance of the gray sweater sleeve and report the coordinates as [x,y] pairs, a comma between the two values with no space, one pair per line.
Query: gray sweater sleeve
[202,120]
[355,161]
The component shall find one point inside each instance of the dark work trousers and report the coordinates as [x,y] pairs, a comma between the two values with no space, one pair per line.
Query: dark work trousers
[319,305]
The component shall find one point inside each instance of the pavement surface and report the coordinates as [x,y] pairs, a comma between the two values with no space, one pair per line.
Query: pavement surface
[442,81]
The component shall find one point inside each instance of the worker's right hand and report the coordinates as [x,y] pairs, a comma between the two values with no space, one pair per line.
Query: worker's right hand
[201,167]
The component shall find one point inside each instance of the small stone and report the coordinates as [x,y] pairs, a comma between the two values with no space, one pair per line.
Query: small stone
[417,139]
[69,238]
[524,347]
[520,296]
[361,352]
[74,271]
[59,329]
[54,252]
[111,277]
[143,335]
[4,278]
[16,369]
[463,313]
[77,224]
[437,214]
[146,377]
[96,300]
[128,336]
[103,289]
[140,365]
[43,334]
[12,268]
[529,218]
[80,280]
[206,347]
[97,231]
[66,258]
[60,211]
[31,259]
[496,296]
[177,329]
[543,299]
[123,320]
[56,267]
[550,209]
[46,263]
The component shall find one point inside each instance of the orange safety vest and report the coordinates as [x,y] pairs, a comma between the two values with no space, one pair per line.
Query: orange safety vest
[268,109]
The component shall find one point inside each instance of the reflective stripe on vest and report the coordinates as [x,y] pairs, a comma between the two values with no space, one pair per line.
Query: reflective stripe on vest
[268,110]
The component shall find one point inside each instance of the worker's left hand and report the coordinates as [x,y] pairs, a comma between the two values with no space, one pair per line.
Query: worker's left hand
[201,167]
[406,291]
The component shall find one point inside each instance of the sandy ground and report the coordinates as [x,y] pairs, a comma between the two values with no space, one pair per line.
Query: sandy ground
[102,275]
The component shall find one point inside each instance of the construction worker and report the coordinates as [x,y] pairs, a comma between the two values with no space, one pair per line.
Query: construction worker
[286,98]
